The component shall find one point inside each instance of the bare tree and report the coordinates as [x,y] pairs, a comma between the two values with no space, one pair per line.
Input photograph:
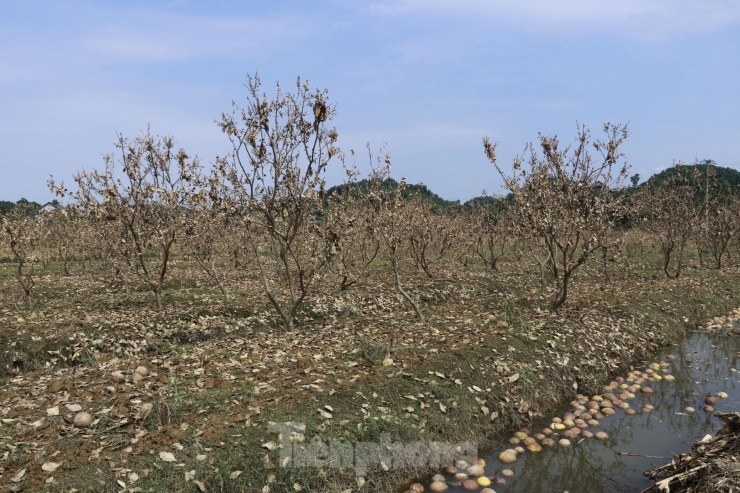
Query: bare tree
[493,230]
[272,187]
[431,236]
[62,230]
[565,197]
[21,234]
[671,212]
[145,209]
[722,226]
[351,212]
[392,206]
[202,241]
[720,211]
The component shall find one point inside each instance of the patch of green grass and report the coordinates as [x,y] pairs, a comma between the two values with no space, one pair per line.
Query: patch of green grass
[22,352]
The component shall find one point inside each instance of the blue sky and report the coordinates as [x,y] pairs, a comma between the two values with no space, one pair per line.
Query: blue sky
[427,78]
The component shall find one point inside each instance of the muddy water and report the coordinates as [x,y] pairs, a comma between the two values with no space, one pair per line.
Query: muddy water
[636,443]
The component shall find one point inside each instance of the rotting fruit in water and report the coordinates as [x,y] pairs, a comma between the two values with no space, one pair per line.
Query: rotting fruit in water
[438,487]
[534,447]
[571,433]
[508,456]
[470,484]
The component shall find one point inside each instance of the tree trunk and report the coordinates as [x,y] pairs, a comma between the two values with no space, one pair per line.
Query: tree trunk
[396,274]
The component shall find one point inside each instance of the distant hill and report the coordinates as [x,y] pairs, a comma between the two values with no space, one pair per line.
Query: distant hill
[725,179]
[439,204]
[485,201]
[7,206]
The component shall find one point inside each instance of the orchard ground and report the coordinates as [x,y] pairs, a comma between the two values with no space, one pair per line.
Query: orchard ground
[491,356]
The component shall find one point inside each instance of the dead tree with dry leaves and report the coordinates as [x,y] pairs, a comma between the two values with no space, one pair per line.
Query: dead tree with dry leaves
[21,234]
[720,213]
[62,233]
[392,206]
[272,185]
[139,201]
[564,197]
[202,241]
[722,226]
[352,213]
[492,230]
[671,213]
[431,236]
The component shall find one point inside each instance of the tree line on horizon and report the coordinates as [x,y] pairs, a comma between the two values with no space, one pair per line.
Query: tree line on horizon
[725,181]
[264,210]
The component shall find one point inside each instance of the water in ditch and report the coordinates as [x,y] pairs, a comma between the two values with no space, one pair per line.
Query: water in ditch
[704,364]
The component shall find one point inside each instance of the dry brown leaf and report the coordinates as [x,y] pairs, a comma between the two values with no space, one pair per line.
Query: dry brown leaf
[167,456]
[18,476]
[50,466]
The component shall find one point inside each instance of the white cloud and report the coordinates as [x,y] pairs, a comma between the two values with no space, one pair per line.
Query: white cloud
[184,37]
[657,19]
